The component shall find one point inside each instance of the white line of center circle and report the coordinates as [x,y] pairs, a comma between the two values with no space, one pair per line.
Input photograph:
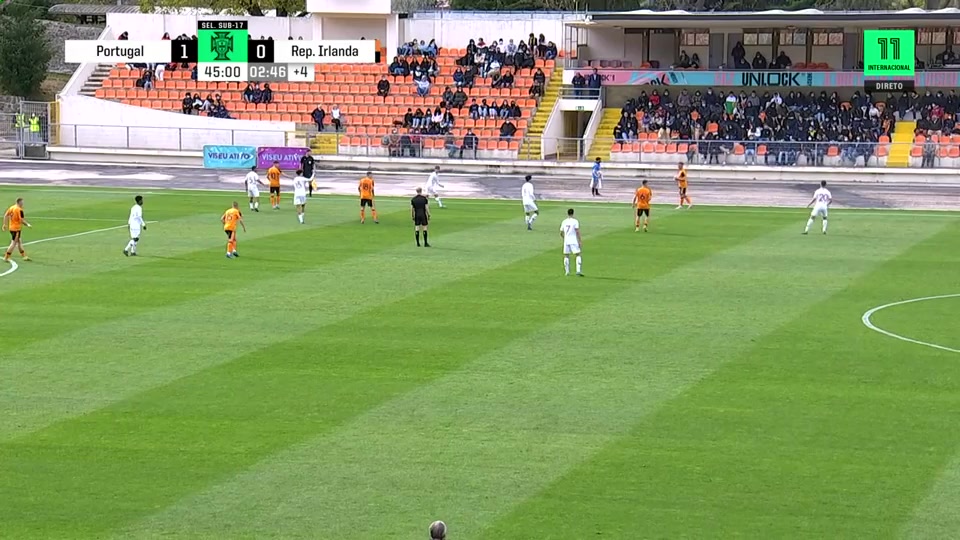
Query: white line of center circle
[875,328]
[13,268]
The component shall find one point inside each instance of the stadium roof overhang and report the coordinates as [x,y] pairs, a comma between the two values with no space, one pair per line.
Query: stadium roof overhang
[808,18]
[89,10]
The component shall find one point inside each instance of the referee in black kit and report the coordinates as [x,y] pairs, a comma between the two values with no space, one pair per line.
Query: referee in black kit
[306,164]
[420,212]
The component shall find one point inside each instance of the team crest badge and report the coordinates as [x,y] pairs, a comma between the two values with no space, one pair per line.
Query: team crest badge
[221,44]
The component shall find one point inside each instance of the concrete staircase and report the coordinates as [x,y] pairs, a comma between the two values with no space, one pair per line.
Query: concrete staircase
[324,144]
[95,80]
[531,147]
[603,140]
[902,139]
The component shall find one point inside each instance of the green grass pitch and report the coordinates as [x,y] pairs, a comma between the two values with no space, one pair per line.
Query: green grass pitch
[709,379]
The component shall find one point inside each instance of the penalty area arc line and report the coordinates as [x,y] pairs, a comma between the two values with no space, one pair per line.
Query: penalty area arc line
[869,324]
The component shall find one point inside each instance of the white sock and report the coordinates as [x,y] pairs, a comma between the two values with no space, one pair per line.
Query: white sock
[566,265]
[130,245]
[809,224]
[824,225]
[251,206]
[528,219]
[579,264]
[533,218]
[439,202]
[256,204]
[300,217]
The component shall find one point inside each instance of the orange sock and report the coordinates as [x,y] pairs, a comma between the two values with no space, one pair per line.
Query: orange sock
[374,211]
[636,222]
[7,255]
[363,214]
[23,253]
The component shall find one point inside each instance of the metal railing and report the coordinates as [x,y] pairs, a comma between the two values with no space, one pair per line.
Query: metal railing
[940,154]
[164,138]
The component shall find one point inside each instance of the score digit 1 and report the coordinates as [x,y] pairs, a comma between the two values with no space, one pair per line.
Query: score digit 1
[183,51]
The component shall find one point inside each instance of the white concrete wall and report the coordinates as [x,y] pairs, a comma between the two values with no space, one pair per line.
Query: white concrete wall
[343,27]
[152,27]
[662,47]
[372,7]
[92,122]
[832,55]
[455,28]
[605,44]
[552,131]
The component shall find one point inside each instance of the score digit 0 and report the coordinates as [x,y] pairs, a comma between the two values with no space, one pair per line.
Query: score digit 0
[260,51]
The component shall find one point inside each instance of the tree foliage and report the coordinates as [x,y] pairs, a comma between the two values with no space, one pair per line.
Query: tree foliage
[256,8]
[24,54]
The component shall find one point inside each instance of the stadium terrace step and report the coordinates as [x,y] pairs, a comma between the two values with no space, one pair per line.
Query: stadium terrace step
[324,144]
[532,145]
[901,150]
[604,137]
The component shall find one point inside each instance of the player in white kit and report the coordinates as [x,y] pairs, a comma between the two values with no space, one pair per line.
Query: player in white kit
[253,182]
[529,198]
[821,207]
[136,224]
[301,186]
[433,186]
[570,232]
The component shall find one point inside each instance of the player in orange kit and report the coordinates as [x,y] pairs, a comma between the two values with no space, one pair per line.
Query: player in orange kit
[366,197]
[682,186]
[13,220]
[641,201]
[230,219]
[273,178]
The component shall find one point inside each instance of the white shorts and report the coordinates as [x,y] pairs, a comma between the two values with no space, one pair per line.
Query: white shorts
[595,183]
[571,248]
[432,192]
[134,231]
[253,192]
[528,208]
[820,210]
[299,200]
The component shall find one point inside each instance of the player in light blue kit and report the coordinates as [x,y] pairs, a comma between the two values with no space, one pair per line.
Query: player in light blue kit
[596,179]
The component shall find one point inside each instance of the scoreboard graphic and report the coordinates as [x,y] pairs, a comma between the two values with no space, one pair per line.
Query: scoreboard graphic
[223,51]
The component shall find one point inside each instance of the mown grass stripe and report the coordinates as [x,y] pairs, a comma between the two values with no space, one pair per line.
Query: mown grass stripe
[472,445]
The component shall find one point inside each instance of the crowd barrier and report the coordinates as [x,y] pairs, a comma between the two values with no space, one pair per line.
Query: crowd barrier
[941,152]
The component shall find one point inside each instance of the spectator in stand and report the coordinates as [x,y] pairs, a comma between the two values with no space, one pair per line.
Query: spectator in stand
[319,115]
[446,98]
[524,57]
[257,94]
[267,95]
[407,49]
[431,67]
[187,104]
[431,49]
[759,61]
[492,68]
[929,152]
[541,46]
[397,68]
[474,109]
[782,61]
[683,62]
[459,99]
[418,119]
[383,87]
[407,121]
[423,86]
[739,54]
[450,145]
[470,142]
[469,75]
[507,130]
[536,90]
[207,106]
[505,81]
[248,93]
[335,118]
[579,84]
[458,77]
[197,103]
[594,82]
[504,109]
[552,51]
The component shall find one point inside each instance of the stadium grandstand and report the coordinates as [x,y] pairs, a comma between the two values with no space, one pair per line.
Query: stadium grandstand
[768,88]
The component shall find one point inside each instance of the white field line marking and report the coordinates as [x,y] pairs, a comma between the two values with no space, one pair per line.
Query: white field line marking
[612,205]
[13,265]
[13,268]
[870,325]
